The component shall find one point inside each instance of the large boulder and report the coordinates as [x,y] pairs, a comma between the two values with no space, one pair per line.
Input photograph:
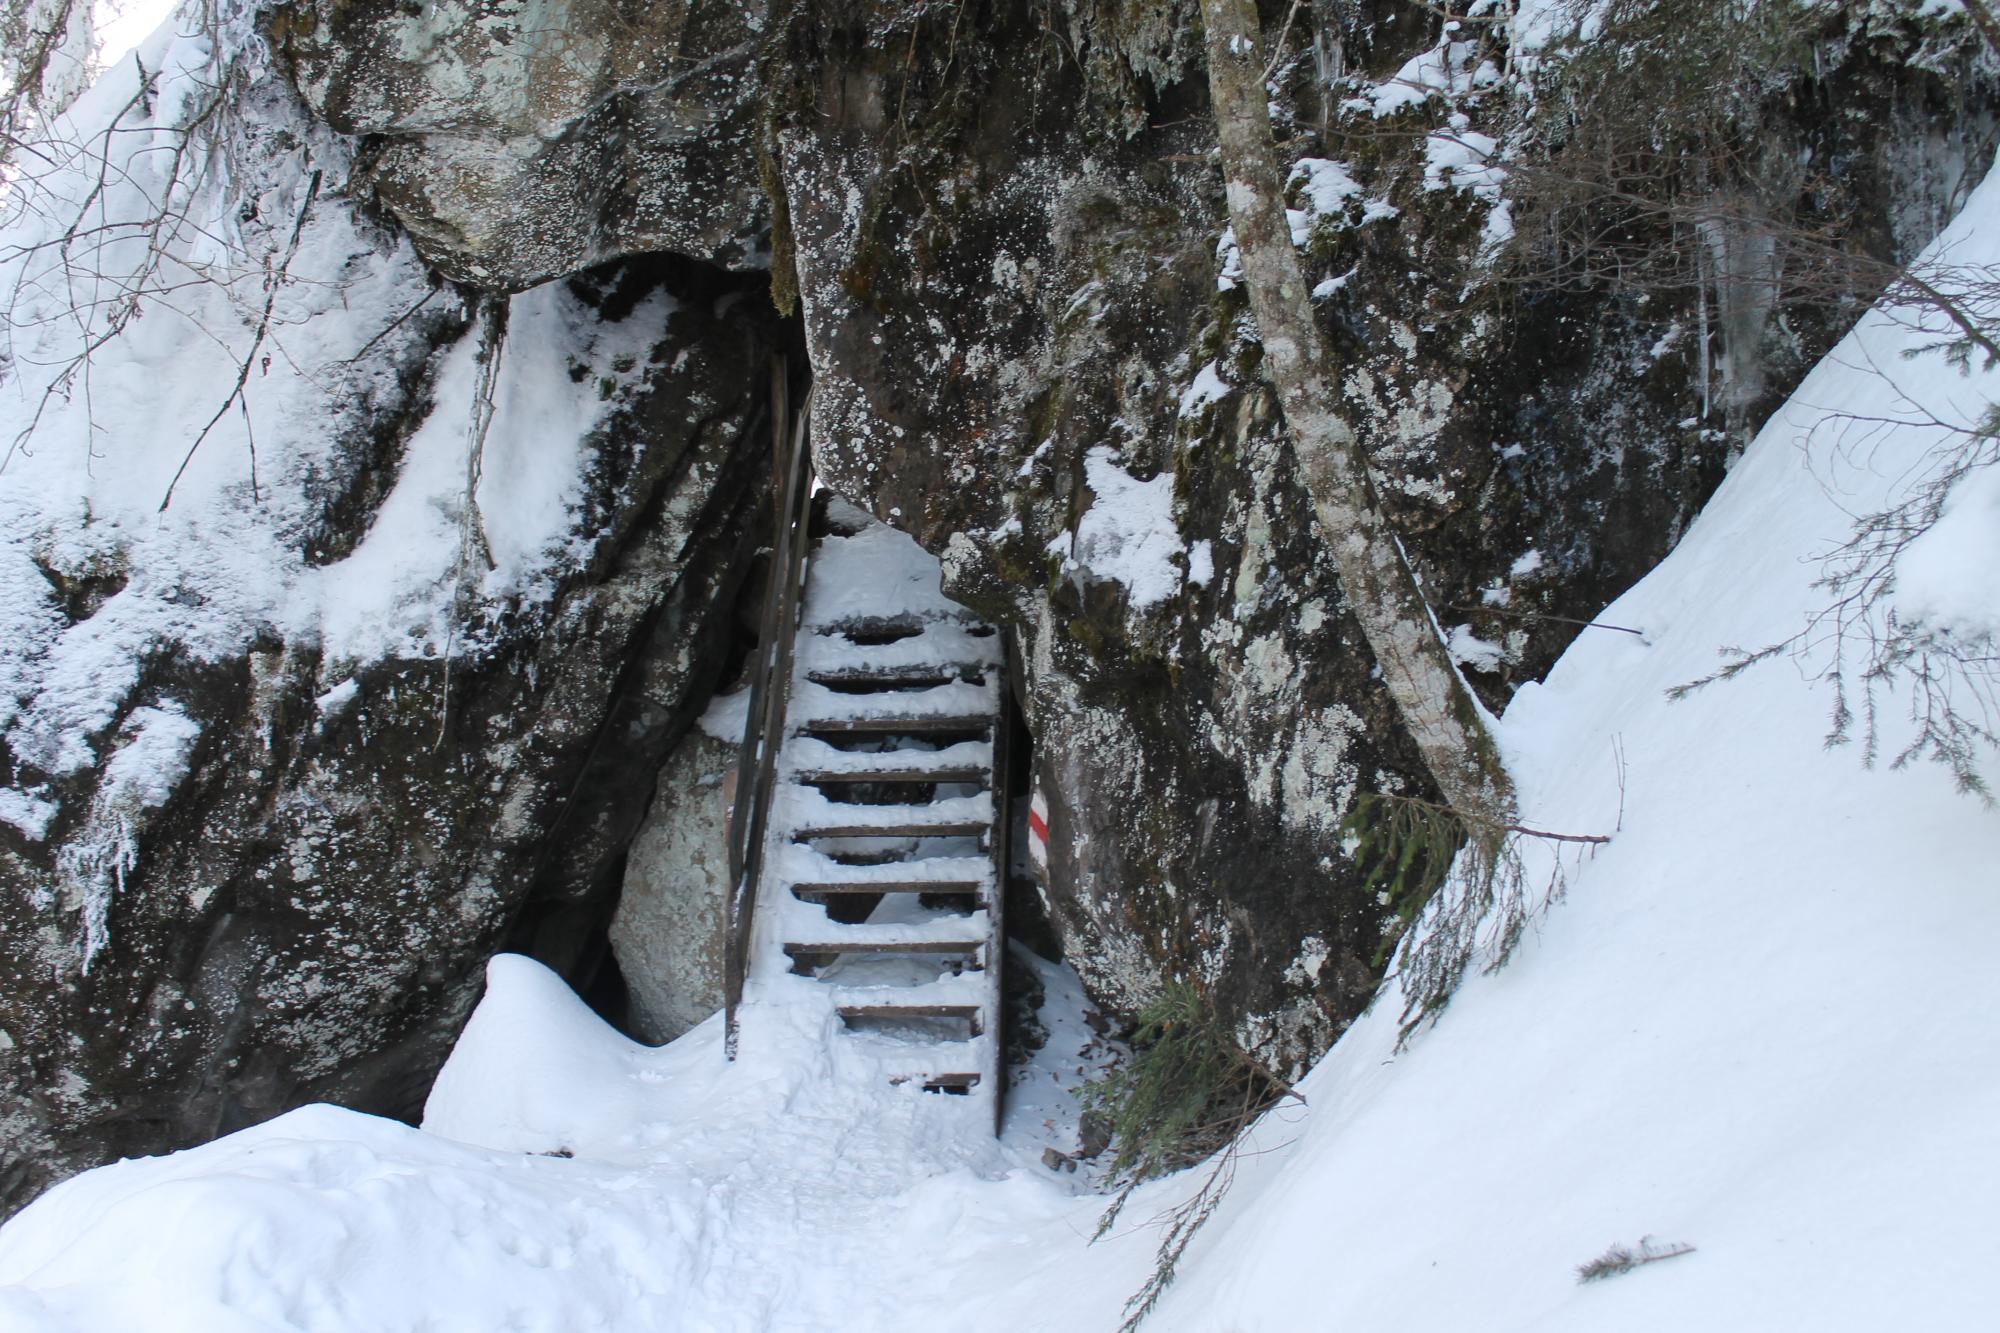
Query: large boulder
[668,930]
[1030,349]
[521,143]
[1003,231]
[293,739]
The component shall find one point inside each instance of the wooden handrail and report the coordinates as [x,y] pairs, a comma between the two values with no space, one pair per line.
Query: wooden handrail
[770,685]
[1002,842]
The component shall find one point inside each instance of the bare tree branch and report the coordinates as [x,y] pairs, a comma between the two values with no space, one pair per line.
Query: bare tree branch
[274,281]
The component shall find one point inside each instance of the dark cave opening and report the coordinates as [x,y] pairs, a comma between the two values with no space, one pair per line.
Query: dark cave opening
[565,922]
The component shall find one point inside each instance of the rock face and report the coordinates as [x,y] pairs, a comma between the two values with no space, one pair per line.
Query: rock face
[308,909]
[1031,352]
[518,144]
[668,929]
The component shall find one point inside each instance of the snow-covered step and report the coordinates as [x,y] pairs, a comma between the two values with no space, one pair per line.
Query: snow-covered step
[812,815]
[940,1082]
[959,992]
[906,724]
[802,865]
[813,760]
[845,944]
[968,949]
[957,699]
[913,829]
[906,772]
[938,646]
[921,676]
[874,630]
[972,1015]
[943,933]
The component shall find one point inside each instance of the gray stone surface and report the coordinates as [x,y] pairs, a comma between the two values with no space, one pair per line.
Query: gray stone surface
[668,929]
[522,143]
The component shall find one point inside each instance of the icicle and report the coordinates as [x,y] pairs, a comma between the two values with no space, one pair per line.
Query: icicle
[471,531]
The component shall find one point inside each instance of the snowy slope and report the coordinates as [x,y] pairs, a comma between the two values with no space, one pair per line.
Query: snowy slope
[1760,1022]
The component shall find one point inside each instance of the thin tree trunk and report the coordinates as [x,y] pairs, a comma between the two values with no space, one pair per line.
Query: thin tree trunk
[1380,586]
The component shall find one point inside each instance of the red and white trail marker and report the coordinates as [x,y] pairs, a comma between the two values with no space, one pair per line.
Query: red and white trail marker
[1038,832]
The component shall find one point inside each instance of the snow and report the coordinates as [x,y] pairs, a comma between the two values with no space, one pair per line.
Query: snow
[336,700]
[122,26]
[80,496]
[878,572]
[1758,1023]
[1128,534]
[1229,261]
[727,716]
[569,1180]
[1749,1024]
[1446,70]
[1464,159]
[1207,387]
[529,1020]
[1325,188]
[1469,650]
[1201,563]
[1324,185]
[1540,24]
[393,596]
[26,811]
[1932,590]
[139,778]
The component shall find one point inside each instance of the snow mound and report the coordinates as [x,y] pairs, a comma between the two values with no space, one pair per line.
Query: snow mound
[1751,1024]
[569,1181]
[512,1081]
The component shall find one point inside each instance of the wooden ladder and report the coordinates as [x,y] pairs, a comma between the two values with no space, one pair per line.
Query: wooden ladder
[873,887]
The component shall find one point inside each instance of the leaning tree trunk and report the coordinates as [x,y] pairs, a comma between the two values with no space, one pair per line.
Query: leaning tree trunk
[1434,702]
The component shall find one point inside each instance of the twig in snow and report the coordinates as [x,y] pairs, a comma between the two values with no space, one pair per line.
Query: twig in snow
[1624,1258]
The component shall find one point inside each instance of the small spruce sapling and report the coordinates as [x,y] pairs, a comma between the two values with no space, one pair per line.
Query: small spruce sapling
[1189,1092]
